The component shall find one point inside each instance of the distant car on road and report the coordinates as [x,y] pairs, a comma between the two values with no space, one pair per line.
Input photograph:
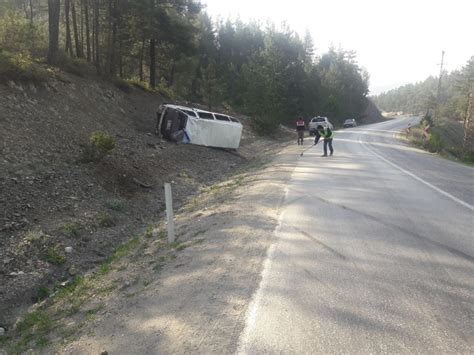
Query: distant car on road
[350,122]
[318,121]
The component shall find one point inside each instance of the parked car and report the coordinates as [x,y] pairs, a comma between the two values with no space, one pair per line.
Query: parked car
[350,122]
[318,121]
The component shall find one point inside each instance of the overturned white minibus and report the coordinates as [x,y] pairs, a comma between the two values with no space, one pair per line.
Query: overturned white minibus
[195,126]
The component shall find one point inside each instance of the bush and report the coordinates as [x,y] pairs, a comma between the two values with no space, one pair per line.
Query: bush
[264,125]
[71,230]
[468,157]
[18,34]
[102,141]
[105,220]
[417,134]
[434,144]
[427,120]
[459,153]
[37,320]
[142,85]
[122,85]
[54,255]
[100,144]
[115,205]
[35,236]
[165,90]
[42,293]
[76,66]
[20,67]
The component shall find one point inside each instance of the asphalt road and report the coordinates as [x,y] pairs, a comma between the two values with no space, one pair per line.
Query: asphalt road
[374,253]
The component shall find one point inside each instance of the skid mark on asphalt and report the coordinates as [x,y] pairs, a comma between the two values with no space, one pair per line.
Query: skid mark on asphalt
[290,202]
[323,245]
[454,251]
[401,229]
[311,274]
[330,249]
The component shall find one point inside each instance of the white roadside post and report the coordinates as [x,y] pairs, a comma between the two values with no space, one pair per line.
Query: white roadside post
[169,212]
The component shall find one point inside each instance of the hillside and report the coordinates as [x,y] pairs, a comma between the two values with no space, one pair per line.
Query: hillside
[371,114]
[443,104]
[50,200]
[447,97]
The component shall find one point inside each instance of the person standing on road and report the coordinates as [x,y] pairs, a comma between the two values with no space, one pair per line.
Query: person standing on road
[327,135]
[300,128]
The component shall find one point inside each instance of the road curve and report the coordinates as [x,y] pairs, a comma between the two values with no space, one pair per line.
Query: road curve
[374,253]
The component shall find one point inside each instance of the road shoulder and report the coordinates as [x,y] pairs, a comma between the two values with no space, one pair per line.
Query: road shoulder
[194,297]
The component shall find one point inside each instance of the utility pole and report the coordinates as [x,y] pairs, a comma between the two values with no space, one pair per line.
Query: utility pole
[468,143]
[438,96]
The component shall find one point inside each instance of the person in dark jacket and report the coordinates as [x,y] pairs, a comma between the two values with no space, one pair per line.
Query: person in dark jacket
[327,135]
[300,127]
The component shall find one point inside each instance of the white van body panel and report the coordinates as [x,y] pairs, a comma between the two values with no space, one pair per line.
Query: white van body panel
[213,133]
[216,130]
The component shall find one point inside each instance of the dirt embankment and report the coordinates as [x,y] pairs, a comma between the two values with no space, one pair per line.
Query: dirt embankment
[194,297]
[50,201]
[371,114]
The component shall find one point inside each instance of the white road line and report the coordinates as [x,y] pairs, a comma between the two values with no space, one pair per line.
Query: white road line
[244,346]
[437,189]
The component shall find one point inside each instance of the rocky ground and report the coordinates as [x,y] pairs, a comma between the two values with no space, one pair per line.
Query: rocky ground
[194,297]
[60,217]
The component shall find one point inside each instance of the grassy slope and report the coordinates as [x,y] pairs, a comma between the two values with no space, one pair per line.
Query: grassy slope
[446,138]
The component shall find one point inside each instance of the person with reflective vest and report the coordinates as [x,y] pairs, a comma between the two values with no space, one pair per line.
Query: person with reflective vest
[300,127]
[327,135]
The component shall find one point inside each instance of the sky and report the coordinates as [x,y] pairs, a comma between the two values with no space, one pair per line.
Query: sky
[397,41]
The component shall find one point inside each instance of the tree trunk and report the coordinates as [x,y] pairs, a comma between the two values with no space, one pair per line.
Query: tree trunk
[81,37]
[32,34]
[172,71]
[25,9]
[209,88]
[93,38]
[32,14]
[120,55]
[153,63]
[152,6]
[96,34]
[142,57]
[54,7]
[68,48]
[111,38]
[196,79]
[113,54]
[88,37]
[76,32]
